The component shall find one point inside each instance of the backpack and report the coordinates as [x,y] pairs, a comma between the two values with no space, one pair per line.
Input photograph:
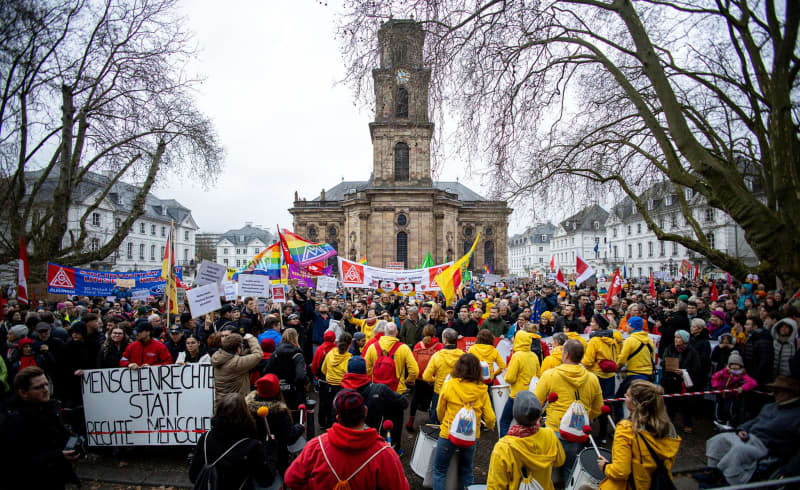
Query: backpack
[345,484]
[652,358]
[573,421]
[528,482]
[384,371]
[462,428]
[208,479]
[661,479]
[536,348]
[486,372]
[423,356]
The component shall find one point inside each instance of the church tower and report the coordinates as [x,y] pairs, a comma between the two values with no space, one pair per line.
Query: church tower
[401,133]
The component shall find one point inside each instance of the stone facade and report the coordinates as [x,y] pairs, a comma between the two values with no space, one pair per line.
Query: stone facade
[400,214]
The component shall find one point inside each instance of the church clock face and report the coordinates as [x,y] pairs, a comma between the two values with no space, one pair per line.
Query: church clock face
[402,77]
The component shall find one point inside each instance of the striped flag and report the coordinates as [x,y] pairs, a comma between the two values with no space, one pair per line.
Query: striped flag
[24,272]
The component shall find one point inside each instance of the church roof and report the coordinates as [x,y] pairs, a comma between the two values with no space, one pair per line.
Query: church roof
[337,192]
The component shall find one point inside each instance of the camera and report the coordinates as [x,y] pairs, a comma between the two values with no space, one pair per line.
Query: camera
[77,444]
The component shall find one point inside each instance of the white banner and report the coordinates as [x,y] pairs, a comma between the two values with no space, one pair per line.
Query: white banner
[140,294]
[254,285]
[230,290]
[203,300]
[211,272]
[326,284]
[278,293]
[355,275]
[150,406]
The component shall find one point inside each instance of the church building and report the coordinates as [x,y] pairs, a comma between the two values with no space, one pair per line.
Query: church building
[400,214]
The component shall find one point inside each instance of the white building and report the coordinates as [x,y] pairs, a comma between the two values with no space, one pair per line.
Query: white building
[529,251]
[579,234]
[236,247]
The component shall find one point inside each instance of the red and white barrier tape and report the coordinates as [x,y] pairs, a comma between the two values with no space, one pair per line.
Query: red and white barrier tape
[693,393]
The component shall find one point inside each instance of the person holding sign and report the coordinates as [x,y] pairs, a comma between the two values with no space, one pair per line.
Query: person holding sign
[145,351]
[232,367]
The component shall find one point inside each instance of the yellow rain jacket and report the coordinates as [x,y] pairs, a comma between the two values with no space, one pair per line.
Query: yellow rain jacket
[363,327]
[630,454]
[600,347]
[403,361]
[334,366]
[576,335]
[565,380]
[486,352]
[538,453]
[641,363]
[440,365]
[554,359]
[455,394]
[527,340]
[523,366]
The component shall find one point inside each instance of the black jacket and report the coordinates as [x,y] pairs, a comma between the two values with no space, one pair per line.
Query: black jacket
[702,347]
[107,359]
[466,329]
[249,459]
[31,440]
[288,364]
[678,320]
[382,403]
[688,361]
[758,356]
[281,426]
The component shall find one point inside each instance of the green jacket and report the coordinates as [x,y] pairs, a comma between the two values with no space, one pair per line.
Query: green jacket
[411,332]
[498,326]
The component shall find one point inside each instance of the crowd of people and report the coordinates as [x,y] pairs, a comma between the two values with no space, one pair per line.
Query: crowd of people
[371,360]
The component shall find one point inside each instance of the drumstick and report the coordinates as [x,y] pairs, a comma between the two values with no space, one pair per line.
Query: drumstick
[551,398]
[388,425]
[302,409]
[587,429]
[606,410]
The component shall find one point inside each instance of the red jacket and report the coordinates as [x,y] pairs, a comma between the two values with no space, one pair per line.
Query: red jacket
[153,353]
[319,356]
[347,449]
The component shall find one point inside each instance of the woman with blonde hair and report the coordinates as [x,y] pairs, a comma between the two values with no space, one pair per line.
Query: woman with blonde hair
[438,318]
[642,442]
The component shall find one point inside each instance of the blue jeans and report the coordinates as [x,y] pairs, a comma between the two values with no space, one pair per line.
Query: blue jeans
[441,462]
[607,387]
[432,411]
[571,450]
[506,417]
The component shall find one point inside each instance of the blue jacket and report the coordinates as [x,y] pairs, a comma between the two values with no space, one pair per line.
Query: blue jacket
[551,302]
[319,326]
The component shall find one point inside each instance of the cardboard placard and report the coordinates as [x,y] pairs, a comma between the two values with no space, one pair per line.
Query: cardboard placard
[326,284]
[262,305]
[254,285]
[672,364]
[125,283]
[278,293]
[211,272]
[140,294]
[203,300]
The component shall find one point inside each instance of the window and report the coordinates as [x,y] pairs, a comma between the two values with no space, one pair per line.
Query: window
[596,225]
[674,223]
[332,231]
[649,249]
[674,249]
[638,227]
[225,261]
[238,262]
[661,223]
[400,53]
[163,231]
[402,248]
[141,251]
[402,219]
[185,254]
[255,250]
[488,254]
[401,108]
[401,162]
[163,249]
[668,200]
[95,244]
[650,204]
[640,272]
[95,219]
[224,251]
[630,251]
[130,250]
[238,251]
[312,232]
[186,235]
[117,223]
[709,215]
[152,252]
[616,254]
[614,232]
[153,230]
[541,249]
[544,238]
[629,230]
[141,228]
[541,260]
[639,249]
[661,250]
[710,238]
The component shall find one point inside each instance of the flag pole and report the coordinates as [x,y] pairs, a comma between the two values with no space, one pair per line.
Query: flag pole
[170,260]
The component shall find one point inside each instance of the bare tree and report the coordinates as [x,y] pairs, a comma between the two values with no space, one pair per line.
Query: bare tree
[608,96]
[88,87]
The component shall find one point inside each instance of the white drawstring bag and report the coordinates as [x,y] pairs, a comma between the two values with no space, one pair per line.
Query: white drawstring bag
[463,427]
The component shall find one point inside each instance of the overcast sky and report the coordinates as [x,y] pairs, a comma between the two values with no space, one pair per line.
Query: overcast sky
[270,70]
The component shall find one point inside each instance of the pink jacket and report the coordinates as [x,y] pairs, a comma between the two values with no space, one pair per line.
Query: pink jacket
[725,380]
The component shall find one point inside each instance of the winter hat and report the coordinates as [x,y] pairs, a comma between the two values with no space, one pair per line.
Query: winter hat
[143,310]
[330,336]
[684,297]
[735,358]
[547,315]
[683,334]
[719,315]
[268,386]
[42,326]
[25,341]
[268,345]
[80,327]
[60,305]
[601,320]
[357,365]
[348,401]
[527,408]
[359,336]
[636,323]
[19,331]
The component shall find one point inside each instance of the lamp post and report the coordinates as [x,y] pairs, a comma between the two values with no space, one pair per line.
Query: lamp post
[672,267]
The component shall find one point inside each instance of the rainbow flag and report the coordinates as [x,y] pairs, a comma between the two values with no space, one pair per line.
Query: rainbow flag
[487,269]
[299,251]
[267,262]
[363,260]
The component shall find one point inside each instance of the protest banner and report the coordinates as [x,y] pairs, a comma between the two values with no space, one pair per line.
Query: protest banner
[491,279]
[230,290]
[278,293]
[210,272]
[355,275]
[254,285]
[151,406]
[140,294]
[326,284]
[262,305]
[85,282]
[304,275]
[203,300]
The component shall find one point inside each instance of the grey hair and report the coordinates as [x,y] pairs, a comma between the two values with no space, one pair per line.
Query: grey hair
[699,322]
[559,338]
[390,329]
[450,336]
[380,327]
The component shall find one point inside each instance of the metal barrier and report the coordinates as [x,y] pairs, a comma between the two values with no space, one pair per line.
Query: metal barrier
[790,482]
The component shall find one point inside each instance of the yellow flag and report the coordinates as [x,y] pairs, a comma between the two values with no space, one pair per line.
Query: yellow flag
[449,280]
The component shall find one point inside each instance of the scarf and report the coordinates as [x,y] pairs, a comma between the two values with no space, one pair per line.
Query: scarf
[27,361]
[517,430]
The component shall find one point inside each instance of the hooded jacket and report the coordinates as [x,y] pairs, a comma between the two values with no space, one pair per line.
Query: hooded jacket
[231,371]
[382,402]
[334,366]
[629,455]
[602,345]
[576,336]
[347,449]
[642,362]
[785,347]
[152,353]
[319,356]
[724,379]
[566,380]
[457,393]
[554,359]
[523,366]
[411,331]
[537,453]
[404,361]
[364,326]
[758,354]
[440,365]
[486,352]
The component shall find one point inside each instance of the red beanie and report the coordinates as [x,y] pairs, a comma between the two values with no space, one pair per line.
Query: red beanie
[329,336]
[268,345]
[268,386]
[24,341]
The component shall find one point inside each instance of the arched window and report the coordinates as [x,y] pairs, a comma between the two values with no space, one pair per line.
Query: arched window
[449,255]
[401,108]
[333,262]
[402,248]
[401,161]
[488,254]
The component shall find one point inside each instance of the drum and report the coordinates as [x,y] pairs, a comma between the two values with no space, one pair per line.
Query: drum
[500,395]
[424,449]
[587,474]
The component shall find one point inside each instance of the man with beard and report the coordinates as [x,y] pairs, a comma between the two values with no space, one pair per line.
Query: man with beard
[145,351]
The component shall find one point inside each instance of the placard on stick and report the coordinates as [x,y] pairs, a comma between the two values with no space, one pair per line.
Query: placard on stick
[230,290]
[254,285]
[211,272]
[326,284]
[203,300]
[278,293]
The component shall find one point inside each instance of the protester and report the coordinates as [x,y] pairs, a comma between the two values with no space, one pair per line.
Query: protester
[145,351]
[632,464]
[411,328]
[423,352]
[523,366]
[784,343]
[334,367]
[484,350]
[680,361]
[288,364]
[175,344]
[383,403]
[113,349]
[194,352]
[232,367]
[349,452]
[440,366]
[554,359]
[600,358]
[637,358]
[730,406]
[328,344]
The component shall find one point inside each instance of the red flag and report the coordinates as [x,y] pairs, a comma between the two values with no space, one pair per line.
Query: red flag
[552,263]
[714,294]
[615,288]
[652,287]
[287,255]
[22,275]
[560,279]
[583,269]
[696,272]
